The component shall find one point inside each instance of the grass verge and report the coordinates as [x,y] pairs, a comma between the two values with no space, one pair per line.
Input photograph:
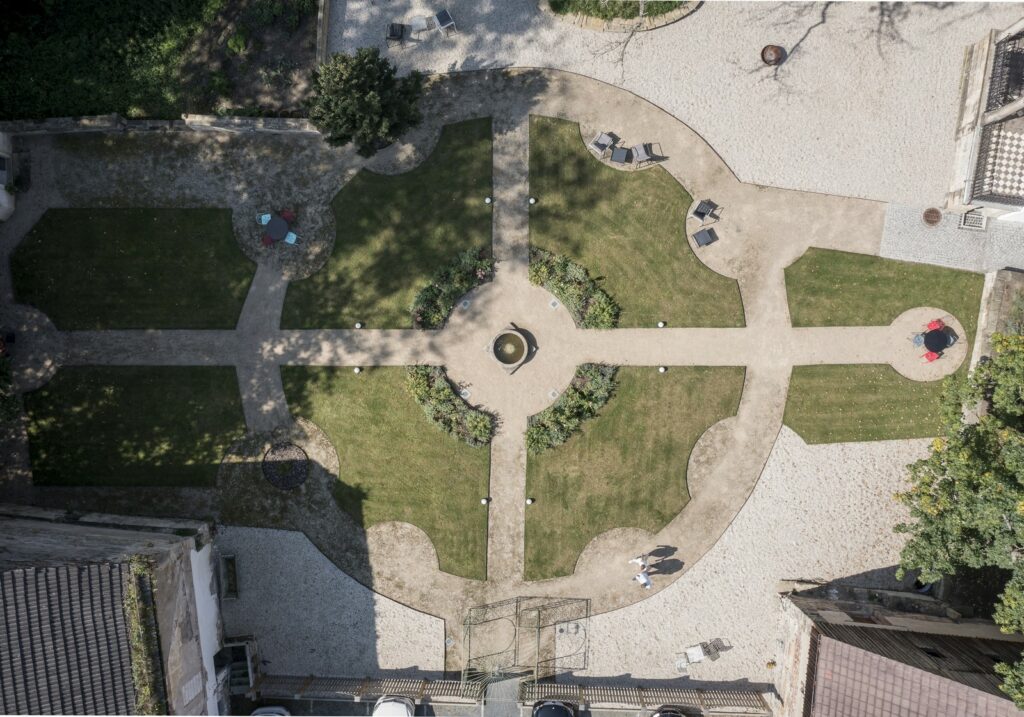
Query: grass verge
[830,404]
[91,269]
[395,464]
[627,467]
[609,9]
[133,426]
[395,232]
[140,619]
[627,229]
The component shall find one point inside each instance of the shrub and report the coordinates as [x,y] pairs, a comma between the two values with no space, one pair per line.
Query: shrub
[238,42]
[434,303]
[589,390]
[430,387]
[357,98]
[10,406]
[590,305]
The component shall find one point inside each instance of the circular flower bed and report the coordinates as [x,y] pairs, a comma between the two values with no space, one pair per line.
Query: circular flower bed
[286,466]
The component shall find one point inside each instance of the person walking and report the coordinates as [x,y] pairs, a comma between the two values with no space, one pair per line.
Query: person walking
[644,579]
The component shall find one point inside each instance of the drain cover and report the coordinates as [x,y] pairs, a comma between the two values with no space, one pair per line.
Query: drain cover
[465,393]
[932,216]
[464,304]
[552,393]
[554,304]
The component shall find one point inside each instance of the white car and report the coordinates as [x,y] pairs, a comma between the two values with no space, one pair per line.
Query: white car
[271,711]
[394,706]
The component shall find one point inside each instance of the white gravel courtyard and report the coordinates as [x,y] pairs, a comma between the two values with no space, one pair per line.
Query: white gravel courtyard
[310,618]
[818,513]
[864,107]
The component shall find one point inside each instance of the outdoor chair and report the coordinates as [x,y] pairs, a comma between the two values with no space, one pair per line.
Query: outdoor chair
[395,33]
[263,219]
[931,356]
[620,155]
[290,238]
[445,23]
[694,654]
[936,325]
[705,210]
[715,648]
[266,240]
[601,144]
[421,24]
[641,156]
[705,237]
[288,215]
[917,340]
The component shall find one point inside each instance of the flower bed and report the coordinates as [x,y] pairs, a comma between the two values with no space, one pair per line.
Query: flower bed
[432,390]
[434,304]
[590,305]
[589,390]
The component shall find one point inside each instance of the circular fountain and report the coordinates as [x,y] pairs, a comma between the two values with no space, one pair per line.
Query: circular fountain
[510,348]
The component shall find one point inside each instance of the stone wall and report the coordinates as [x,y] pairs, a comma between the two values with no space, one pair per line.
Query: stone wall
[117,123]
[323,25]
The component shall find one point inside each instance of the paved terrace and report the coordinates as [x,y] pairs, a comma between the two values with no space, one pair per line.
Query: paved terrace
[762,231]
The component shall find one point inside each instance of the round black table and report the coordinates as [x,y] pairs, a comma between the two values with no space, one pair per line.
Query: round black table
[277,228]
[936,340]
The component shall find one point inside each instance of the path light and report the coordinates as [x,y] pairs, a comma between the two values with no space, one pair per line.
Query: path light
[487,200]
[359,324]
[529,501]
[485,501]
[357,370]
[533,200]
[661,324]
[662,369]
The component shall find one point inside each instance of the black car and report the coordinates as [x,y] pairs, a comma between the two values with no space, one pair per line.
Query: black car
[669,711]
[553,708]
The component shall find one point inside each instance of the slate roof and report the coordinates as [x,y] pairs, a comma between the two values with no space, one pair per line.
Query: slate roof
[850,682]
[64,641]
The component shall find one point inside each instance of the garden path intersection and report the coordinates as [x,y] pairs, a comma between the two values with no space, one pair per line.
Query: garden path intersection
[762,231]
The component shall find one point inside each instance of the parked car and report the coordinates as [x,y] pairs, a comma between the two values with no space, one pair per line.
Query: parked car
[271,711]
[669,711]
[394,706]
[554,708]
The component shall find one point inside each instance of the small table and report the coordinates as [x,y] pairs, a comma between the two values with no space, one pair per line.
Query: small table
[277,228]
[620,155]
[936,340]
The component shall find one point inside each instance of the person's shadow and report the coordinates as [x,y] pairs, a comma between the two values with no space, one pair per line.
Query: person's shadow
[665,566]
[662,552]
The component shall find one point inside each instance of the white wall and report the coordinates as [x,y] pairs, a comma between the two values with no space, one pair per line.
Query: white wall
[208,617]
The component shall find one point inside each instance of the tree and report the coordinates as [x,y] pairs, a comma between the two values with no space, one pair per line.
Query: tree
[967,496]
[358,98]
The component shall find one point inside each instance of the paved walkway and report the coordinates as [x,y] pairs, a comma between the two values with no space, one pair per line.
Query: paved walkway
[762,230]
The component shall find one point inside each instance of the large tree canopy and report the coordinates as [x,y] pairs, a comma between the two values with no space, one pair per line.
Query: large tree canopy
[967,497]
[358,98]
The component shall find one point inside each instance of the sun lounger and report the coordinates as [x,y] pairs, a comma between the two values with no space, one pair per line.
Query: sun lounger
[601,144]
[641,155]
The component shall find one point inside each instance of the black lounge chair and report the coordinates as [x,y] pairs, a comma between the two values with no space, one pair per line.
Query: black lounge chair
[396,34]
[705,237]
[705,210]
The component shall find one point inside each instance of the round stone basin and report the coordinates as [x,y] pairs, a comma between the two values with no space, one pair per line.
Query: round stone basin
[510,348]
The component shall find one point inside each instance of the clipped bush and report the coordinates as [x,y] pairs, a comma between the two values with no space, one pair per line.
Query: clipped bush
[590,305]
[430,387]
[589,390]
[434,303]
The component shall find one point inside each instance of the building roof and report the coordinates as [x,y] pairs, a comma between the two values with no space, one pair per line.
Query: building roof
[64,641]
[847,681]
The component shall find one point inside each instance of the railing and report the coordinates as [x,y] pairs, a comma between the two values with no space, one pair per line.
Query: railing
[358,690]
[697,702]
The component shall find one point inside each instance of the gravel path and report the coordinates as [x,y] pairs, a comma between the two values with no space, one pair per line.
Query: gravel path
[864,106]
[907,237]
[800,502]
[311,618]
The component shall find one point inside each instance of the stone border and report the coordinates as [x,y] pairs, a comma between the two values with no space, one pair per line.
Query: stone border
[116,123]
[620,24]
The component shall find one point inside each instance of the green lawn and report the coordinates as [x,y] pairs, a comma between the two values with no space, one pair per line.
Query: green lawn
[863,403]
[627,229]
[394,232]
[608,9]
[133,426]
[133,269]
[395,463]
[627,467]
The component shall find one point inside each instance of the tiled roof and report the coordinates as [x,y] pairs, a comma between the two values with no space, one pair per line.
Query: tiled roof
[64,641]
[851,682]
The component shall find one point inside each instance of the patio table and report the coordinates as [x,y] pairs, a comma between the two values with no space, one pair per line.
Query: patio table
[620,155]
[277,228]
[936,340]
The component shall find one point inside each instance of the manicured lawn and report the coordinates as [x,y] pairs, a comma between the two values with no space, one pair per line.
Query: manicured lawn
[613,8]
[133,426]
[394,232]
[864,403]
[627,468]
[626,229]
[395,464]
[133,269]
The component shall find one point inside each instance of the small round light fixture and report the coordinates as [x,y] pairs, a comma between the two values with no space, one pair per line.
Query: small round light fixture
[359,324]
[357,369]
[485,501]
[488,200]
[533,200]
[661,324]
[529,501]
[662,369]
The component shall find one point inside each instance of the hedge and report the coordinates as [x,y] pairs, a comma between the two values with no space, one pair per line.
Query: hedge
[432,390]
[589,390]
[589,304]
[434,304]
